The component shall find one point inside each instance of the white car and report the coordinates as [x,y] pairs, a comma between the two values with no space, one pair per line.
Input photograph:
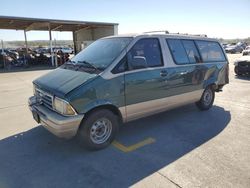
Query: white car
[67,50]
[246,51]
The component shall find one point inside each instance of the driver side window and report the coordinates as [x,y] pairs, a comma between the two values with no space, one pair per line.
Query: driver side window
[145,53]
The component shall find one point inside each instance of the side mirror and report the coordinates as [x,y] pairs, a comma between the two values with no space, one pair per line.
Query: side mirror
[138,62]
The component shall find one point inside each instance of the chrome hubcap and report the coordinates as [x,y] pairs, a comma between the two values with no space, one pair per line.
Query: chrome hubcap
[100,131]
[207,97]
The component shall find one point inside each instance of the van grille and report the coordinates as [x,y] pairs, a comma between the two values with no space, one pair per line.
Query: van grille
[44,98]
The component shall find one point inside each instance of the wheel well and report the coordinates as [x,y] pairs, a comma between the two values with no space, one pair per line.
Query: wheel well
[213,86]
[109,107]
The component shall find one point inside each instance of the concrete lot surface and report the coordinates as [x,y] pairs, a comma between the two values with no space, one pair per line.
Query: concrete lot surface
[180,148]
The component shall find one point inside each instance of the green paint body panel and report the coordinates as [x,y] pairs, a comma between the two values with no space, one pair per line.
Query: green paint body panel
[132,88]
[97,93]
[149,85]
[86,91]
[62,81]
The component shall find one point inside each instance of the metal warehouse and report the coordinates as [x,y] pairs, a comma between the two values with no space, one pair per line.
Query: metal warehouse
[83,32]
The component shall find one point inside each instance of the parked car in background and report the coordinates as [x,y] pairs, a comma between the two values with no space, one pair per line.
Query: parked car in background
[242,65]
[14,51]
[246,51]
[233,49]
[1,59]
[56,49]
[67,50]
[64,50]
[120,79]
[7,59]
[42,50]
[243,45]
[10,53]
[224,45]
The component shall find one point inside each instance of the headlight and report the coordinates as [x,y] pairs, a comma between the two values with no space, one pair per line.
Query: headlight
[63,107]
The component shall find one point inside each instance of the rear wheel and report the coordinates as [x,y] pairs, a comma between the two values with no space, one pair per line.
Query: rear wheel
[207,99]
[98,130]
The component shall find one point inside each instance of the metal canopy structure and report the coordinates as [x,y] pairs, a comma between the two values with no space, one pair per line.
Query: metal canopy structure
[39,24]
[27,24]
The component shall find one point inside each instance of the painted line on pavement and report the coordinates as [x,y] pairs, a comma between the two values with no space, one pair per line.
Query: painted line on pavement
[133,147]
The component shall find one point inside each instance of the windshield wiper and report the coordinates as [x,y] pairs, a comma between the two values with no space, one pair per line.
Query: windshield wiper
[69,62]
[89,65]
[79,64]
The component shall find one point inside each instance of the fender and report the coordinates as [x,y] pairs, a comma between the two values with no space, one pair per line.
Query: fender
[210,81]
[98,103]
[211,77]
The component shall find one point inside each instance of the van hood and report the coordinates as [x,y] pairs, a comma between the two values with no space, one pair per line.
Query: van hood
[62,81]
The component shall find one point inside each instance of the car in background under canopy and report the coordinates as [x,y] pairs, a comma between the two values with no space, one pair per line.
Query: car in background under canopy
[242,65]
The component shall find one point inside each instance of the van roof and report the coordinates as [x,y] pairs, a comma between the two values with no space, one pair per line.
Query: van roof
[178,36]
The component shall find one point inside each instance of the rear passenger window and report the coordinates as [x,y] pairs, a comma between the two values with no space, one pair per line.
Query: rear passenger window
[184,51]
[191,50]
[178,51]
[210,51]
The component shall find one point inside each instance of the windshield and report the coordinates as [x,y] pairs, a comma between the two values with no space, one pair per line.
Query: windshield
[102,53]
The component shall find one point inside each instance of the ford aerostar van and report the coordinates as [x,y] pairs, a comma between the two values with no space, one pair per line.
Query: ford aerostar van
[122,78]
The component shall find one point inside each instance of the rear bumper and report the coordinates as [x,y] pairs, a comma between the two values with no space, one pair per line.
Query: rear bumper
[242,69]
[59,125]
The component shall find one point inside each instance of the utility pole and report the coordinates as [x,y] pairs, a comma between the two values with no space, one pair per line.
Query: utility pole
[51,49]
[3,54]
[26,42]
[2,46]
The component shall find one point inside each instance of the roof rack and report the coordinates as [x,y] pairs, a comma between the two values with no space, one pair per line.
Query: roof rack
[160,31]
[197,35]
[200,35]
[166,32]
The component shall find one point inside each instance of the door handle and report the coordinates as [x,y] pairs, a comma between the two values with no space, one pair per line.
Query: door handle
[164,73]
[184,72]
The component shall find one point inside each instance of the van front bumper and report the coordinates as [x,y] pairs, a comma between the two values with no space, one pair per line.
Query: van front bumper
[59,125]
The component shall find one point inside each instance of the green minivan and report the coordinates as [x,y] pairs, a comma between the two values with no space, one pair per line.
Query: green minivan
[122,78]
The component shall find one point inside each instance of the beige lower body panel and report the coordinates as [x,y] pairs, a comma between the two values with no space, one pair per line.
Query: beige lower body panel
[143,109]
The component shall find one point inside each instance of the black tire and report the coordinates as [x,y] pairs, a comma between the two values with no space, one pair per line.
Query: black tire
[207,99]
[89,129]
[236,70]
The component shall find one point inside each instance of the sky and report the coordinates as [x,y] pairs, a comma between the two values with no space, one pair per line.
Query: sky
[217,18]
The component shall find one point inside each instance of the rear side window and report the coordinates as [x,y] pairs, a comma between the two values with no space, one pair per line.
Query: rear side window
[178,51]
[184,51]
[210,51]
[191,50]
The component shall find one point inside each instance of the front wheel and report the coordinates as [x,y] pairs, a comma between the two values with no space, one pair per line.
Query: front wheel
[207,99]
[98,130]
